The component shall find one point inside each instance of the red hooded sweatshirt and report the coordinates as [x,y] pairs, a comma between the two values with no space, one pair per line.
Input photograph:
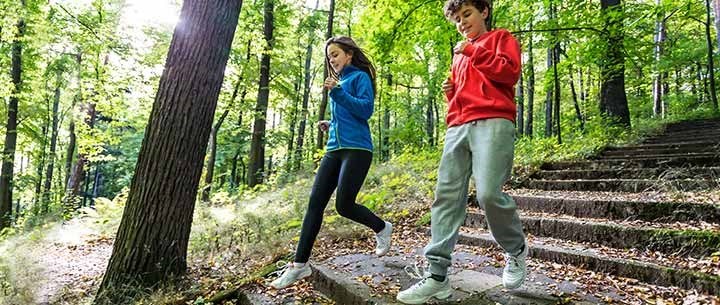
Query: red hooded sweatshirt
[484,77]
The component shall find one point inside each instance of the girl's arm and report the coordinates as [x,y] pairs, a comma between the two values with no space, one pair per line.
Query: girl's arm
[502,64]
[360,105]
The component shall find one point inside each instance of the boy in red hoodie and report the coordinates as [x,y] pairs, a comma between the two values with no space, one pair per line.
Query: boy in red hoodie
[479,142]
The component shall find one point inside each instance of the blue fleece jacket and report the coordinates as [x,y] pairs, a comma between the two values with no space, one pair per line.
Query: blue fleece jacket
[351,104]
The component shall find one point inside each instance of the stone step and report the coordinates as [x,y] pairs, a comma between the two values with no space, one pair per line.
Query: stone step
[672,149]
[630,173]
[663,211]
[678,139]
[694,243]
[356,279]
[644,156]
[690,144]
[690,133]
[680,126]
[622,185]
[622,265]
[707,161]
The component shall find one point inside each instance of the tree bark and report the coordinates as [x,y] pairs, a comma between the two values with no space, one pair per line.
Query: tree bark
[305,102]
[710,60]
[256,161]
[531,86]
[320,142]
[53,145]
[578,113]
[520,106]
[151,244]
[658,81]
[613,99]
[8,153]
[549,90]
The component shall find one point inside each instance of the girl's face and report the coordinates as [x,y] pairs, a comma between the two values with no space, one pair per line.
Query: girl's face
[469,21]
[338,57]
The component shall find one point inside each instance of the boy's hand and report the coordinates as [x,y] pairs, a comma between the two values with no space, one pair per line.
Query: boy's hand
[330,82]
[323,125]
[447,85]
[460,47]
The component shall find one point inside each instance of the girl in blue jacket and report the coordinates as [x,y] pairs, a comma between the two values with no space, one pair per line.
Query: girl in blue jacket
[351,87]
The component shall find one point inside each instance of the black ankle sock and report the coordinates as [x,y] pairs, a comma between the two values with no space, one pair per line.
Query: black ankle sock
[439,278]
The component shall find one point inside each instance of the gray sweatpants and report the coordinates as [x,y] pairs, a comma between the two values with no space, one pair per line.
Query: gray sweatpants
[485,149]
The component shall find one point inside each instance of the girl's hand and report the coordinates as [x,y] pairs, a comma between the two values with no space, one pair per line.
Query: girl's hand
[460,47]
[448,85]
[323,125]
[330,82]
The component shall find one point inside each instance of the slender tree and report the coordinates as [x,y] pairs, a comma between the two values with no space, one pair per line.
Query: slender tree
[256,166]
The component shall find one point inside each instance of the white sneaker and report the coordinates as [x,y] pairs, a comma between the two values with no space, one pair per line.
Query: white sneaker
[515,269]
[424,290]
[291,274]
[383,239]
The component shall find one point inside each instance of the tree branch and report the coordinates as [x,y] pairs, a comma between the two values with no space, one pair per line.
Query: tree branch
[558,29]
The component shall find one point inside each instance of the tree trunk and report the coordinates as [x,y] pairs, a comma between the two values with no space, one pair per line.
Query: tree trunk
[531,85]
[549,90]
[556,60]
[385,139]
[293,122]
[613,99]
[716,7]
[710,60]
[257,147]
[53,145]
[520,106]
[429,120]
[151,244]
[305,102]
[320,143]
[41,165]
[210,167]
[660,36]
[578,113]
[77,175]
[8,154]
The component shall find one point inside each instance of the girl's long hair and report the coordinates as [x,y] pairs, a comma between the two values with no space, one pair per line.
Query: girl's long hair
[359,59]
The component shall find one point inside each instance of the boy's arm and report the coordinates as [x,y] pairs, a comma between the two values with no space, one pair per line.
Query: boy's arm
[361,105]
[502,64]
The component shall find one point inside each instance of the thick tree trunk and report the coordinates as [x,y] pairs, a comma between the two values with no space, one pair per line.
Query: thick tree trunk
[320,142]
[8,153]
[613,99]
[256,161]
[152,241]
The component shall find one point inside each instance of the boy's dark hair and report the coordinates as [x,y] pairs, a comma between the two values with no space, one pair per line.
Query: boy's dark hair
[359,59]
[451,6]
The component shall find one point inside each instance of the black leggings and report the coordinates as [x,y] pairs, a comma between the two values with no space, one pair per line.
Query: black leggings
[345,169]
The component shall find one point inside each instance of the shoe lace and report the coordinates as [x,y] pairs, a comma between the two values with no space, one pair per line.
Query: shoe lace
[282,267]
[416,272]
[511,260]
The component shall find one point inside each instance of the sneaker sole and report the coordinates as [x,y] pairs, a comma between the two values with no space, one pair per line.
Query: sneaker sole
[302,276]
[442,295]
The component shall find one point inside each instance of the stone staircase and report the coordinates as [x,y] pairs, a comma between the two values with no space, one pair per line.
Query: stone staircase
[604,230]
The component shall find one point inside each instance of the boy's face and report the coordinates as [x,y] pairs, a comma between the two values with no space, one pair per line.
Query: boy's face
[469,21]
